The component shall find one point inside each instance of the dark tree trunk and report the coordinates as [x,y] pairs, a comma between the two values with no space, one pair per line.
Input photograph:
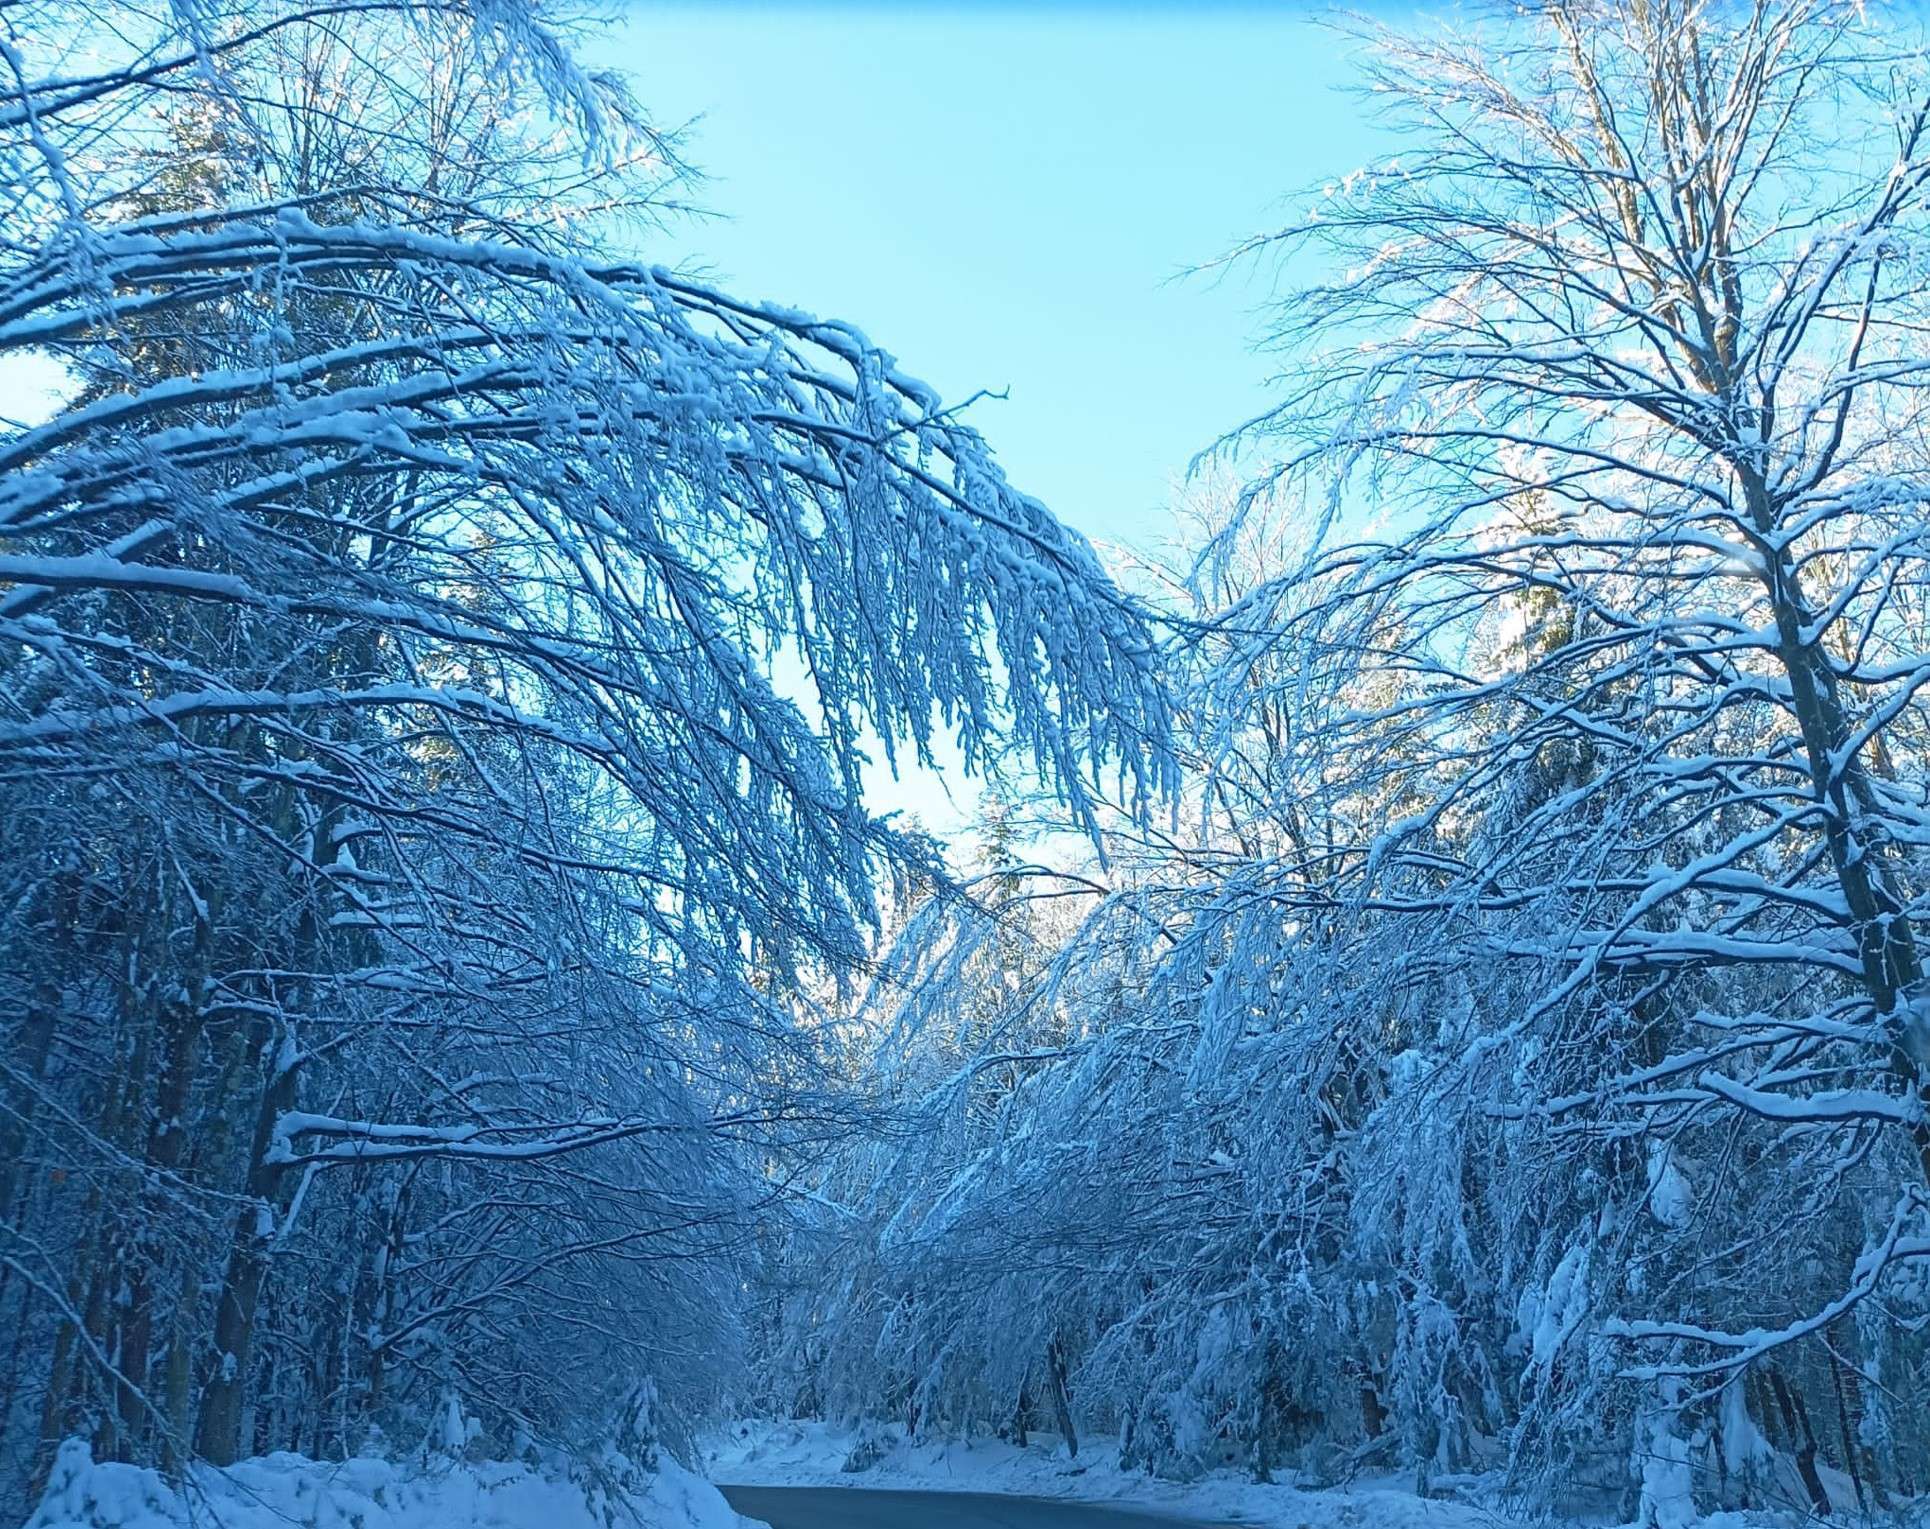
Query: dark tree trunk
[1055,1360]
[224,1403]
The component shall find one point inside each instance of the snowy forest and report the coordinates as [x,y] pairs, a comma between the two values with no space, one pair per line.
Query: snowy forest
[1434,993]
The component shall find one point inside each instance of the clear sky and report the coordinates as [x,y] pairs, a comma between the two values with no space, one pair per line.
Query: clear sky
[1007,197]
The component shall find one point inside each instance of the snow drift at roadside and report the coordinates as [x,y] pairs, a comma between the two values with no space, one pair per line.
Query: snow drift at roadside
[370,1493]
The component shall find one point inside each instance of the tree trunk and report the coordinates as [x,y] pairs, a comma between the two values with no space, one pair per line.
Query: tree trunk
[1802,1440]
[1055,1361]
[1885,939]
[224,1404]
[180,1025]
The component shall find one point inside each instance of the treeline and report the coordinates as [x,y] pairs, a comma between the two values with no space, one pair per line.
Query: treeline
[1513,1060]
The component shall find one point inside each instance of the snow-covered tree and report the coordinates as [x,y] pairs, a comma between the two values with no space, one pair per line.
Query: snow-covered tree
[437,654]
[1523,1061]
[1624,352]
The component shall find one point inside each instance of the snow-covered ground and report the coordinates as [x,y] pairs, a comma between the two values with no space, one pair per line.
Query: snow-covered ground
[799,1453]
[283,1491]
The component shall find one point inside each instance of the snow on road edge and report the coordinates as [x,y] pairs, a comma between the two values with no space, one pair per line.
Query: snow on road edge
[280,1490]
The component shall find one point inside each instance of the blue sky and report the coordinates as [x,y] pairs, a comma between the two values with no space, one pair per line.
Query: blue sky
[1006,197]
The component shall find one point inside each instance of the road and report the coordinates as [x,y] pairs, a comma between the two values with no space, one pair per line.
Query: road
[875,1508]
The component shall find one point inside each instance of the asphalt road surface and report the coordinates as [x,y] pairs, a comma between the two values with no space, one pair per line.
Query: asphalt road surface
[875,1508]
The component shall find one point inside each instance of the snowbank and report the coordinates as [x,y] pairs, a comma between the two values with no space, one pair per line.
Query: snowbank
[798,1453]
[280,1491]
